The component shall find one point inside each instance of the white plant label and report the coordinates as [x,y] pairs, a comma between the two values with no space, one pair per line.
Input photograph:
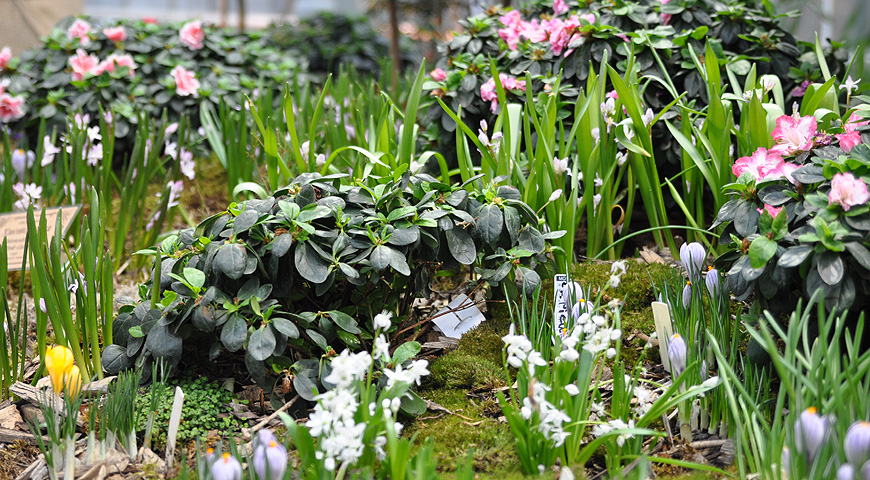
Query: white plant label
[458,317]
[560,308]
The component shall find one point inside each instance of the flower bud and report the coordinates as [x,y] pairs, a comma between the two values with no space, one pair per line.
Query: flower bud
[692,256]
[712,281]
[270,461]
[57,360]
[226,468]
[856,445]
[687,295]
[677,352]
[845,472]
[555,195]
[809,433]
[72,381]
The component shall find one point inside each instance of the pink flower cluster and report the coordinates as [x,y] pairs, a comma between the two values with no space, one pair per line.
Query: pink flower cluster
[765,165]
[80,30]
[794,134]
[5,56]
[185,82]
[848,191]
[192,35]
[851,137]
[560,34]
[115,34]
[488,91]
[83,64]
[11,107]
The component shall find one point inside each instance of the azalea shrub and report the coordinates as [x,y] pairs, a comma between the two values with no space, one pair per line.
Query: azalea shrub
[293,272]
[800,218]
[131,65]
[667,40]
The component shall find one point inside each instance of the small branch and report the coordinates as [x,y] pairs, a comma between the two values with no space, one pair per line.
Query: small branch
[274,415]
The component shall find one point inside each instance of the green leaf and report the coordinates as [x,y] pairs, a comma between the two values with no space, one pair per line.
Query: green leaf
[195,277]
[461,245]
[231,259]
[262,343]
[831,268]
[317,339]
[234,333]
[345,321]
[286,327]
[405,352]
[309,264]
[245,221]
[761,250]
[163,344]
[381,257]
[136,332]
[490,221]
[400,213]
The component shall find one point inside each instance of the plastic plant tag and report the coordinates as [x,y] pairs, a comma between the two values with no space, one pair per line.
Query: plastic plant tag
[560,308]
[662,316]
[458,317]
[174,421]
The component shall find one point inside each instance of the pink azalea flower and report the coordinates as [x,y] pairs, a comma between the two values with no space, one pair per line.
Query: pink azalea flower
[5,56]
[80,29]
[848,191]
[83,64]
[150,20]
[116,34]
[11,107]
[109,64]
[510,36]
[612,94]
[773,211]
[533,31]
[559,7]
[191,34]
[851,137]
[794,134]
[666,17]
[562,35]
[185,82]
[760,165]
[511,19]
[489,92]
[589,17]
[438,75]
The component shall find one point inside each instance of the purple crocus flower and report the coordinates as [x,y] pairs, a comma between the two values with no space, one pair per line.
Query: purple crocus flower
[845,472]
[687,295]
[865,471]
[226,468]
[270,461]
[692,256]
[712,281]
[856,445]
[810,431]
[677,352]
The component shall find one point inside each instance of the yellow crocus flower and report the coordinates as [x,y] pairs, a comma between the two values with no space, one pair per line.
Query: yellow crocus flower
[58,359]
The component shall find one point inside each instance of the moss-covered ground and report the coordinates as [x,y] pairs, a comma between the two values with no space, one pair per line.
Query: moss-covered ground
[464,381]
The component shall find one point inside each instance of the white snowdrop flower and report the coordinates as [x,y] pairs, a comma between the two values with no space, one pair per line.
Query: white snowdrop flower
[535,360]
[382,349]
[596,134]
[615,334]
[187,165]
[171,128]
[394,407]
[385,404]
[618,267]
[383,320]
[560,165]
[569,355]
[555,195]
[95,154]
[621,158]
[320,160]
[541,469]
[48,151]
[614,281]
[596,199]
[598,181]
[597,408]
[413,374]
[304,149]
[611,352]
[572,389]
[622,437]
[348,368]
[94,134]
[629,132]
[648,117]
[518,348]
[711,382]
[171,150]
[380,443]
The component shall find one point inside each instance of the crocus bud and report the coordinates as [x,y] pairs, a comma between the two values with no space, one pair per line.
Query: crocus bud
[845,472]
[209,456]
[865,471]
[264,437]
[226,468]
[712,281]
[57,360]
[72,380]
[555,195]
[677,352]
[692,257]
[687,295]
[270,461]
[857,443]
[809,433]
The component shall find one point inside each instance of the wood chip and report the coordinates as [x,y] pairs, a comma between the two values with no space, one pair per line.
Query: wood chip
[12,436]
[10,418]
[649,256]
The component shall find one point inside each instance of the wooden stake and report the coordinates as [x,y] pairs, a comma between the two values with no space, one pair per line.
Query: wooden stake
[174,421]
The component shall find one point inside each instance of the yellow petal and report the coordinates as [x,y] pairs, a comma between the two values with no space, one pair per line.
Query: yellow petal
[72,380]
[57,360]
